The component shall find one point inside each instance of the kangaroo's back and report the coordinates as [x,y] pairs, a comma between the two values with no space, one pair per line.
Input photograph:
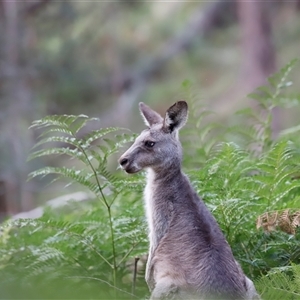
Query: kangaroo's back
[189,256]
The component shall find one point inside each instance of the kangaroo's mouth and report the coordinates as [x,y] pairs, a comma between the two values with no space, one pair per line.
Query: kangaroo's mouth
[129,165]
[131,169]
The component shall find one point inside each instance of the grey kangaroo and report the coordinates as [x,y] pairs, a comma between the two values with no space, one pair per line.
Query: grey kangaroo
[189,257]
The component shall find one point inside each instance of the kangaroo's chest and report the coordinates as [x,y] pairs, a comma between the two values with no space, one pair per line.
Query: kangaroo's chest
[159,210]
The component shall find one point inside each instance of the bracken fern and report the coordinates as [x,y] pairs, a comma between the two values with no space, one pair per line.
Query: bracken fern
[87,250]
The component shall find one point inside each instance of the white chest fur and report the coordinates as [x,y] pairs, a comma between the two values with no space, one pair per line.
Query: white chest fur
[149,205]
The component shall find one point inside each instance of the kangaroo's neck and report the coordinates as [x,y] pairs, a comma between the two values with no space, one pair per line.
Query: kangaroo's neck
[160,193]
[165,175]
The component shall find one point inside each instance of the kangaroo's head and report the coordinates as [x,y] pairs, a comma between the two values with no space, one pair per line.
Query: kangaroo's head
[158,146]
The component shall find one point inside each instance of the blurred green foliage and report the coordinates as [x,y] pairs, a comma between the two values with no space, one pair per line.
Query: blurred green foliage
[87,57]
[79,53]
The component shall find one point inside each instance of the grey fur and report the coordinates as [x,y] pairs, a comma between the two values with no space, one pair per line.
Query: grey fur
[189,257]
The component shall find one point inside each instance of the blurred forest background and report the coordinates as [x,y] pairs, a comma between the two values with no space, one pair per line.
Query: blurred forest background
[102,58]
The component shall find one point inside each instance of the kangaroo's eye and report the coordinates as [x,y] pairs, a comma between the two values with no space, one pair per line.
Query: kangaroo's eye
[149,144]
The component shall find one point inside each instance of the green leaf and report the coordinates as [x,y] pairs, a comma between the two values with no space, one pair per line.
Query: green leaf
[62,139]
[97,134]
[74,153]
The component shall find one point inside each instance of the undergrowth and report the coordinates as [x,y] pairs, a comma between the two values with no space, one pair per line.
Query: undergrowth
[91,250]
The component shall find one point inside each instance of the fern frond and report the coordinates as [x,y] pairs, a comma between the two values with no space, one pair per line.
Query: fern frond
[74,153]
[97,134]
[57,130]
[278,80]
[268,97]
[79,123]
[118,142]
[278,285]
[286,220]
[77,176]
[68,125]
[62,139]
[276,171]
[57,120]
[63,231]
[106,175]
[44,255]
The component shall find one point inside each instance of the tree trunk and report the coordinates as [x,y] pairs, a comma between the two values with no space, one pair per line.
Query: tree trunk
[257,46]
[258,59]
[16,102]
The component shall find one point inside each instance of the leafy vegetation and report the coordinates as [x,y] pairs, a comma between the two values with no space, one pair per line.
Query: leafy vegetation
[281,283]
[89,250]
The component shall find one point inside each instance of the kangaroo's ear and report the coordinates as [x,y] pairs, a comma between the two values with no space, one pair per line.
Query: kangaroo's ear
[176,116]
[149,115]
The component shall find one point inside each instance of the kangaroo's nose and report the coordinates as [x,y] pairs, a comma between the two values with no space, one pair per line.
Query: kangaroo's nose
[123,161]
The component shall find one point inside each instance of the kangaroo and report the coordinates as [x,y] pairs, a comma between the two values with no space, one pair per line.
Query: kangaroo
[189,257]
